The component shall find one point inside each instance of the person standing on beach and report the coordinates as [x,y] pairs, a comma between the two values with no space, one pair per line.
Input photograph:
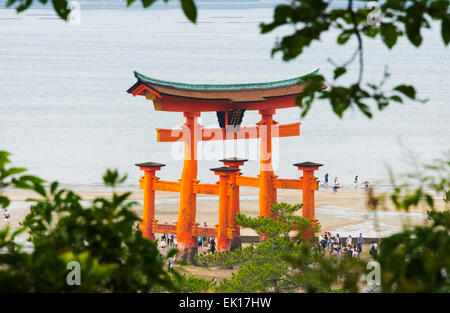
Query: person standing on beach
[213,246]
[355,183]
[360,242]
[349,241]
[330,245]
[338,246]
[6,217]
[373,250]
[326,180]
[336,185]
[324,242]
[366,186]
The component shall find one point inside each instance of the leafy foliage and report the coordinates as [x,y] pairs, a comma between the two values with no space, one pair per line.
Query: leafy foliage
[418,259]
[286,220]
[282,263]
[319,273]
[262,267]
[62,8]
[194,284]
[414,260]
[100,236]
[397,18]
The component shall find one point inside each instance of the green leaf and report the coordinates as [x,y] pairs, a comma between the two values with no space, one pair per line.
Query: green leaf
[371,32]
[445,30]
[396,98]
[62,9]
[145,3]
[413,23]
[282,12]
[344,37]
[112,178]
[24,5]
[130,2]
[53,187]
[407,90]
[14,171]
[339,71]
[364,109]
[4,158]
[189,9]
[4,202]
[389,34]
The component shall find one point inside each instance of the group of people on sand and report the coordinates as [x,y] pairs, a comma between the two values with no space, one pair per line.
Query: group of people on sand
[208,243]
[335,245]
[168,240]
[205,244]
[336,184]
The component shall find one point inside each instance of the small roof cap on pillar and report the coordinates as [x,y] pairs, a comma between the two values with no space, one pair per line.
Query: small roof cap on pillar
[308,164]
[224,169]
[150,164]
[233,159]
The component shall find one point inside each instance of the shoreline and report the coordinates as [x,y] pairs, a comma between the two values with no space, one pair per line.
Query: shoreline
[94,190]
[344,212]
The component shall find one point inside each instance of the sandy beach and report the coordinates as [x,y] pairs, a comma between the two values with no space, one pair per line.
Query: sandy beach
[344,212]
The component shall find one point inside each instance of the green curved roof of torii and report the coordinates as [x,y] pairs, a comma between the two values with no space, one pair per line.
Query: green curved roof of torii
[225,87]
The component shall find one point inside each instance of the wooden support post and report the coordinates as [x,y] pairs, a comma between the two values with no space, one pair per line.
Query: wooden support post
[223,242]
[148,215]
[309,185]
[266,174]
[187,242]
[234,200]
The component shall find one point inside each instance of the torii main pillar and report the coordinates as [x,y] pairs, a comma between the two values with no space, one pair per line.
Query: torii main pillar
[267,192]
[187,243]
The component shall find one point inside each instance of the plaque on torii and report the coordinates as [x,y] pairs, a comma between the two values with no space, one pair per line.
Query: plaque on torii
[230,102]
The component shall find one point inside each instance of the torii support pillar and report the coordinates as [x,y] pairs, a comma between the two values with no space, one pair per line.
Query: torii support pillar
[309,181]
[224,172]
[234,201]
[148,217]
[267,192]
[187,243]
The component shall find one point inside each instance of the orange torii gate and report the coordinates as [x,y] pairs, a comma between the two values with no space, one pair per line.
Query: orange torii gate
[230,102]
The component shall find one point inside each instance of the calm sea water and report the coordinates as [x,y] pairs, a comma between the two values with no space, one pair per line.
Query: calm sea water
[65,113]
